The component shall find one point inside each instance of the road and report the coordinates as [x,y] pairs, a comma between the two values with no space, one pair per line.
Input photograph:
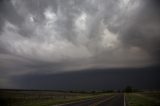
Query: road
[116,100]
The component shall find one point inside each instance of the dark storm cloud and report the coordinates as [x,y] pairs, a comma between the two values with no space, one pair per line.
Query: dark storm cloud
[9,13]
[144,31]
[54,36]
[95,79]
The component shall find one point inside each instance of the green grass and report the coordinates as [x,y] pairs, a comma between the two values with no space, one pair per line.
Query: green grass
[43,99]
[42,102]
[135,99]
[153,94]
[46,102]
[61,101]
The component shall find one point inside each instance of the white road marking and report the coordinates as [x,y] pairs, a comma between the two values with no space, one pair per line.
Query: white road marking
[124,100]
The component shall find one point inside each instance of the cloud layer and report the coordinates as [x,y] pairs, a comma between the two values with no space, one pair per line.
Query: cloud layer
[51,36]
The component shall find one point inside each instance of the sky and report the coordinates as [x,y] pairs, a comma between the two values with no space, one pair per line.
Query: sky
[54,43]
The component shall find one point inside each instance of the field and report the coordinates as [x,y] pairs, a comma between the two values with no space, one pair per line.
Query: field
[50,98]
[143,99]
[42,98]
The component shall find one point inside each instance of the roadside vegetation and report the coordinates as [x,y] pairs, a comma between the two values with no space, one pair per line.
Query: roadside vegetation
[49,98]
[143,99]
[45,98]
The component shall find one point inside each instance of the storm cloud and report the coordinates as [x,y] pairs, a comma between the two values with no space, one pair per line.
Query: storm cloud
[54,36]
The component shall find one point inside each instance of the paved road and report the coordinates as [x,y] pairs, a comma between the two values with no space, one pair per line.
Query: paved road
[116,100]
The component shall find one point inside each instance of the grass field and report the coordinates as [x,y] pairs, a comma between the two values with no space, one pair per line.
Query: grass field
[49,98]
[155,95]
[41,98]
[143,99]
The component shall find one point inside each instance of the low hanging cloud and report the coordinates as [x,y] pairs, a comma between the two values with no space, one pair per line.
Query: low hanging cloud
[38,36]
